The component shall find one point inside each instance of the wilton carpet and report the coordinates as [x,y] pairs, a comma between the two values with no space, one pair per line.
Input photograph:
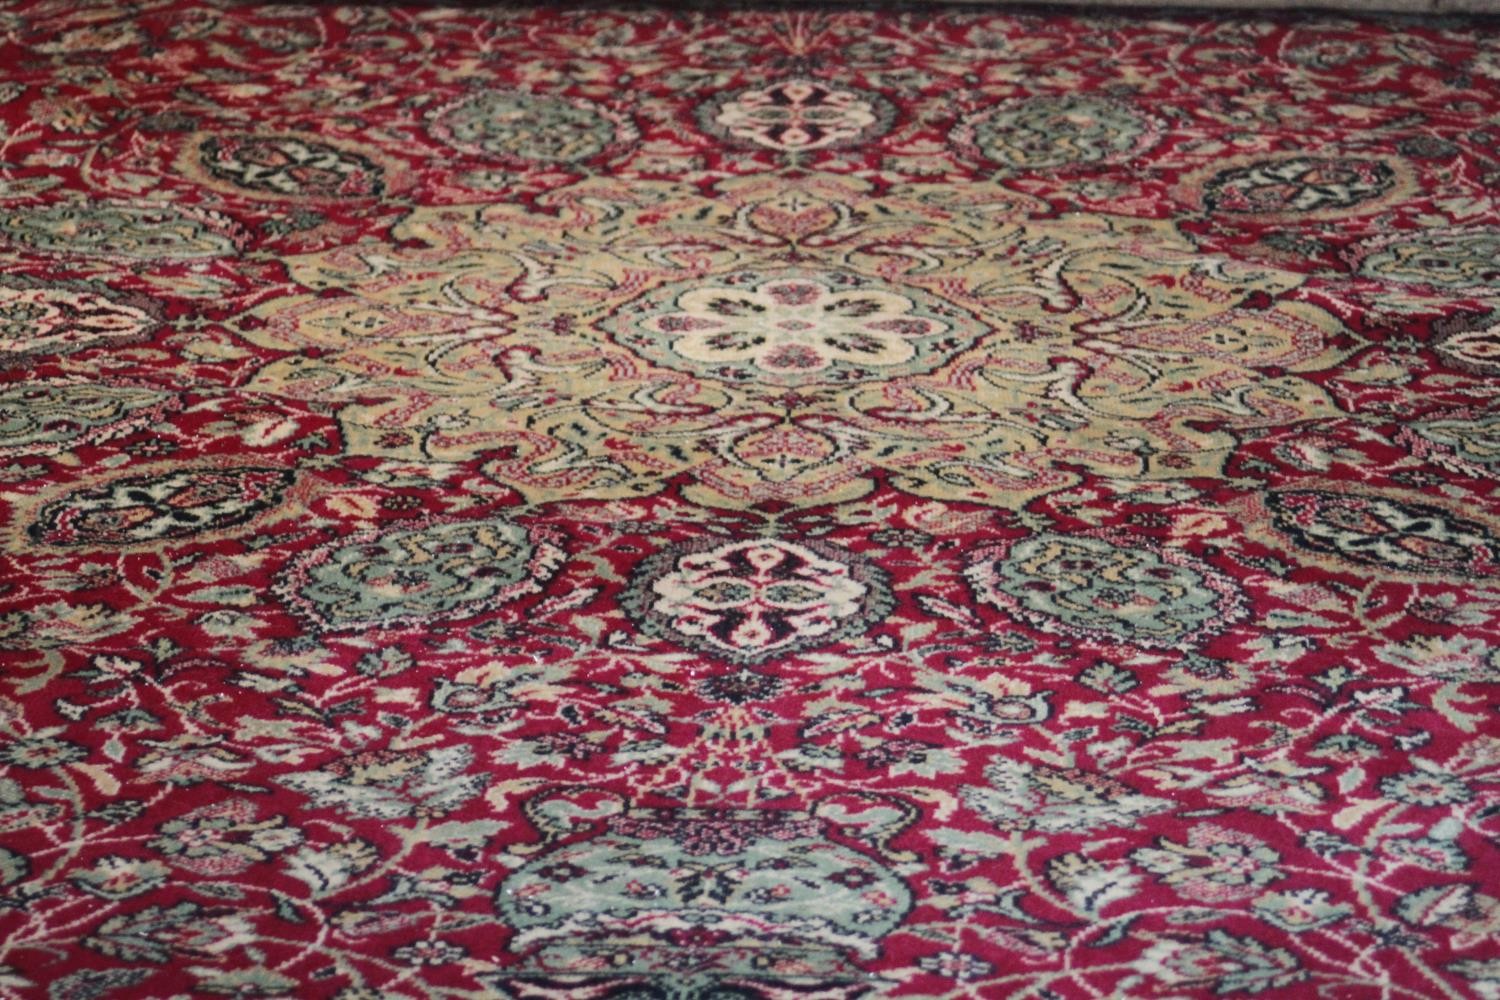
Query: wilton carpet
[747,503]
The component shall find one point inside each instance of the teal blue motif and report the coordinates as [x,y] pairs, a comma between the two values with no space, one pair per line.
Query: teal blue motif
[1096,588]
[530,128]
[1469,443]
[733,890]
[415,575]
[1053,131]
[48,417]
[131,230]
[1445,258]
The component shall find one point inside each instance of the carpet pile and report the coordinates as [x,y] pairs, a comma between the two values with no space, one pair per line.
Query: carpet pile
[747,503]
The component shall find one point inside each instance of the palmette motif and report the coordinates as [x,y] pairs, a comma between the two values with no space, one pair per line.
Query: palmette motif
[686,504]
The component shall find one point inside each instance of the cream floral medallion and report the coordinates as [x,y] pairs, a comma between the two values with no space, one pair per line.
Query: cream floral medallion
[793,327]
[61,317]
[786,340]
[753,599]
[797,115]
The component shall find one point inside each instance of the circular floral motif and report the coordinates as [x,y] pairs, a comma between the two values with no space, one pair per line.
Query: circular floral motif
[39,752]
[1303,48]
[1298,185]
[532,129]
[1426,787]
[1215,865]
[798,115]
[1383,531]
[224,838]
[1095,588]
[153,508]
[48,417]
[412,575]
[749,600]
[1041,133]
[60,317]
[793,327]
[1025,410]
[289,165]
[1455,259]
[122,230]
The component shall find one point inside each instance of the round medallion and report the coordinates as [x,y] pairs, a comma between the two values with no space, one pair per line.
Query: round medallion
[1095,588]
[1044,133]
[40,417]
[147,509]
[122,230]
[1300,185]
[387,578]
[1386,532]
[1447,259]
[798,115]
[750,600]
[60,317]
[532,129]
[792,327]
[289,166]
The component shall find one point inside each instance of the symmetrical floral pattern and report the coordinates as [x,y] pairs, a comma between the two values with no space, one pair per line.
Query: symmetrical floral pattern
[793,328]
[39,317]
[723,502]
[1298,184]
[986,361]
[719,886]
[527,128]
[1091,586]
[283,166]
[1054,131]
[414,576]
[750,600]
[797,114]
[153,508]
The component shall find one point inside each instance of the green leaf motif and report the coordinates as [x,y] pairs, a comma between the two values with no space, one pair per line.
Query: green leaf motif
[1090,885]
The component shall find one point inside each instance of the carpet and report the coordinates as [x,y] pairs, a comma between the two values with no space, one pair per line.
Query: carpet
[747,503]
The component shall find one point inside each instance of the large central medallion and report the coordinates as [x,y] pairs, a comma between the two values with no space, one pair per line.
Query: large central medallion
[791,340]
[793,326]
